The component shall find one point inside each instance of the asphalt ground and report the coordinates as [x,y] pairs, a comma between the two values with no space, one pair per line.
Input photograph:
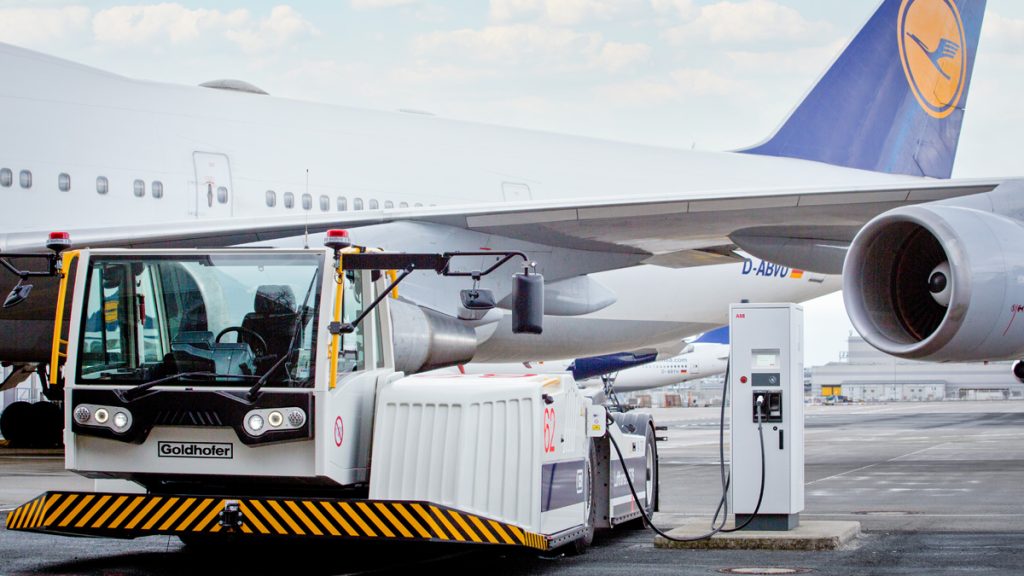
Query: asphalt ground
[938,488]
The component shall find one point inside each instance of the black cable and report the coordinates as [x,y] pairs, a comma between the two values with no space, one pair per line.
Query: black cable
[726,480]
[760,494]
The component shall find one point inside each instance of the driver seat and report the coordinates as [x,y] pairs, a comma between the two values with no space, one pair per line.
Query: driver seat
[275,319]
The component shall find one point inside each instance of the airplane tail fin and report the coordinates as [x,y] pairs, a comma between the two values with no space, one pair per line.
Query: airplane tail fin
[894,100]
[716,336]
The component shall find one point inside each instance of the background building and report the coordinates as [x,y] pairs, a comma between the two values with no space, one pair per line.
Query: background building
[865,374]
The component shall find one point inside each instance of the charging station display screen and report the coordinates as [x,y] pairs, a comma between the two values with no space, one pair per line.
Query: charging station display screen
[764,359]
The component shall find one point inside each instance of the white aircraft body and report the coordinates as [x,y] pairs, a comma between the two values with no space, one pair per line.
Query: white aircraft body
[704,357]
[640,246]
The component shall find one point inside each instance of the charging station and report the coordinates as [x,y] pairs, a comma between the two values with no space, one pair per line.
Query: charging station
[767,383]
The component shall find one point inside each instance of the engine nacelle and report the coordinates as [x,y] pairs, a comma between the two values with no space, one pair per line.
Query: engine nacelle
[938,282]
[1018,371]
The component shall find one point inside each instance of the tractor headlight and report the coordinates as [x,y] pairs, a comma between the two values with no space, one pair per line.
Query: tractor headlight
[121,420]
[272,420]
[255,423]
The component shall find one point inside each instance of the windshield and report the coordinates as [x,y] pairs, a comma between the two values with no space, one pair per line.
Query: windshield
[228,314]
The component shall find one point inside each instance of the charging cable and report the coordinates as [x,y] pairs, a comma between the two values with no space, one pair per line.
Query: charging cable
[723,503]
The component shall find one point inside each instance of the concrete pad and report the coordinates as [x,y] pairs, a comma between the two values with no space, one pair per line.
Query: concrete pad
[810,535]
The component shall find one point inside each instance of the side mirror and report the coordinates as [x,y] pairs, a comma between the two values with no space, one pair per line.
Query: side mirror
[18,295]
[477,299]
[528,303]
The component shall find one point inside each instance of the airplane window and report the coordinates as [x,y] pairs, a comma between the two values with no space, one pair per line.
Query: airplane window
[325,203]
[222,195]
[139,188]
[158,189]
[307,202]
[342,204]
[357,203]
[374,205]
[389,204]
[6,177]
[403,204]
[419,205]
[26,179]
[271,198]
[289,200]
[102,185]
[64,182]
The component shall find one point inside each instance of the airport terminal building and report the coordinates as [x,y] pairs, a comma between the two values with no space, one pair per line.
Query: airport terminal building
[867,375]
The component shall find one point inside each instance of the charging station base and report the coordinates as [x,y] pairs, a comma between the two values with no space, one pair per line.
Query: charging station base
[769,522]
[809,536]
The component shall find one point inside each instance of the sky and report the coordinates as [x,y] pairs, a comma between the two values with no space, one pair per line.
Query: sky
[703,74]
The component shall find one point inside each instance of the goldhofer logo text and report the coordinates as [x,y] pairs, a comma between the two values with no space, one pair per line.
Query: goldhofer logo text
[194,450]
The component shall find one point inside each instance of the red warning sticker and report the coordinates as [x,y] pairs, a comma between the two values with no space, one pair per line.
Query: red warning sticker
[339,431]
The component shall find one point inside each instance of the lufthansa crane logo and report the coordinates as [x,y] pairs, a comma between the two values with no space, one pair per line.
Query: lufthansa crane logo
[934,53]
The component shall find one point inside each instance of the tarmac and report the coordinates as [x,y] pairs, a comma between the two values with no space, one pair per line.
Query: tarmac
[937,489]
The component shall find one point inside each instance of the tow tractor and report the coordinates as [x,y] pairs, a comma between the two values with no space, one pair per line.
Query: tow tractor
[252,394]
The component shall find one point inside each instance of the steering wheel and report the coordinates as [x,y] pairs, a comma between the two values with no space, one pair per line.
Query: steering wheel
[262,344]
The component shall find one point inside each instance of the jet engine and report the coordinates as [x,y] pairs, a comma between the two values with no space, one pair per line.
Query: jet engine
[1018,371]
[938,282]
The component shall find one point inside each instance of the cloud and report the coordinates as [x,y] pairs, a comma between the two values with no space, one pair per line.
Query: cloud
[677,86]
[510,44]
[809,60]
[535,45]
[749,22]
[156,23]
[1002,34]
[562,12]
[679,8]
[703,82]
[615,56]
[282,27]
[374,4]
[40,27]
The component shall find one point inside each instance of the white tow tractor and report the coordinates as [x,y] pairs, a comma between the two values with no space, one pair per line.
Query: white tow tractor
[253,393]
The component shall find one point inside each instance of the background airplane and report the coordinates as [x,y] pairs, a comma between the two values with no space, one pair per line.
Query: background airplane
[705,356]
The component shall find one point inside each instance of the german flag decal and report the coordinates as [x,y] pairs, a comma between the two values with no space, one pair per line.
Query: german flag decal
[132,515]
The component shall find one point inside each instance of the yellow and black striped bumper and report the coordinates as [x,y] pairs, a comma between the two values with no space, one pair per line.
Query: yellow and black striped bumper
[131,516]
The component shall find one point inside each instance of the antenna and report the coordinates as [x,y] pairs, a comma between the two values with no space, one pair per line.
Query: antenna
[305,239]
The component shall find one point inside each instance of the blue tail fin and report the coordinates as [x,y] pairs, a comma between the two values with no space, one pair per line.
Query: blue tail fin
[894,100]
[716,336]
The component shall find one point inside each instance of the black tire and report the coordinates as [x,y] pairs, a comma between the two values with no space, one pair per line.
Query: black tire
[651,472]
[580,545]
[49,425]
[14,423]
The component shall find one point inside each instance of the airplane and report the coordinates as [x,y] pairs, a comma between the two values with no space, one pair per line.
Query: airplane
[625,235]
[705,356]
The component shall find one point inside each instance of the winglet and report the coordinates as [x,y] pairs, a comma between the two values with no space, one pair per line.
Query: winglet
[894,100]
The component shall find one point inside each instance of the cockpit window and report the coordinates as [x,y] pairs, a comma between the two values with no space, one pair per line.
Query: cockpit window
[229,314]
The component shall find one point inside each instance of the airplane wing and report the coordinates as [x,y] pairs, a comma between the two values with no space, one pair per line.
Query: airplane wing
[802,228]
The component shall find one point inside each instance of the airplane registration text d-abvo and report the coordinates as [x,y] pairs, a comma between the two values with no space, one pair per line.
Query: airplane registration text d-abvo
[769,270]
